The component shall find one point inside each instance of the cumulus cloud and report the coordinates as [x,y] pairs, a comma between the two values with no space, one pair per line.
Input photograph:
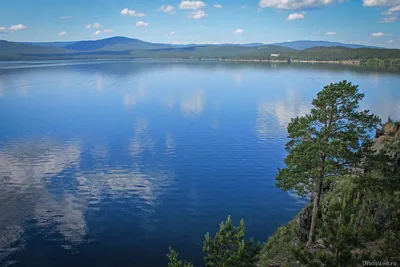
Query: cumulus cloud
[95,25]
[108,30]
[97,32]
[167,9]
[371,3]
[198,14]
[17,27]
[238,32]
[172,33]
[65,17]
[388,20]
[395,8]
[2,29]
[295,16]
[218,6]
[130,12]
[390,41]
[62,33]
[142,24]
[192,5]
[393,5]
[294,4]
[330,33]
[377,34]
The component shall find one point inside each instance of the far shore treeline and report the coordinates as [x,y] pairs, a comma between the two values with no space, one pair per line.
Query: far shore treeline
[126,48]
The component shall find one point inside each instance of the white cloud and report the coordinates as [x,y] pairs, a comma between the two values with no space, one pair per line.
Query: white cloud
[167,9]
[390,41]
[65,17]
[388,20]
[17,27]
[62,33]
[387,13]
[130,12]
[108,30]
[238,32]
[142,24]
[395,9]
[243,7]
[294,4]
[370,3]
[330,33]
[377,34]
[218,6]
[172,33]
[95,25]
[2,29]
[295,16]
[97,32]
[193,5]
[198,14]
[393,5]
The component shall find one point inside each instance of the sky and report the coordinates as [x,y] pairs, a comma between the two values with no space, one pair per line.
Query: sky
[370,22]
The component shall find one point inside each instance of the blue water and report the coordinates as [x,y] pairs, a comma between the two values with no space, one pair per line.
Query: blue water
[109,163]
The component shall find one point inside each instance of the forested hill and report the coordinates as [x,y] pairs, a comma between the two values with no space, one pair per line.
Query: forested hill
[122,47]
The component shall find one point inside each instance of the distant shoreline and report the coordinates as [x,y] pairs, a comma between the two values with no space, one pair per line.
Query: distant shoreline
[343,62]
[336,62]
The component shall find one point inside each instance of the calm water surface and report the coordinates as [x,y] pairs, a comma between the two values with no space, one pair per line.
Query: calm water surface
[109,163]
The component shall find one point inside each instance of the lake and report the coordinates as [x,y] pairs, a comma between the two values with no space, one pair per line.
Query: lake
[109,163]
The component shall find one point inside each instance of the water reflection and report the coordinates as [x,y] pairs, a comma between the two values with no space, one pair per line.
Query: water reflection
[169,143]
[1,88]
[154,139]
[26,169]
[192,104]
[131,98]
[290,105]
[121,183]
[238,79]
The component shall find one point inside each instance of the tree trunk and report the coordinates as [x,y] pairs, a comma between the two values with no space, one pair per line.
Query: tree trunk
[317,198]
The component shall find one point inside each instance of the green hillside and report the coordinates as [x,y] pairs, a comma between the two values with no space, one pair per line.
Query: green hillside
[19,49]
[125,48]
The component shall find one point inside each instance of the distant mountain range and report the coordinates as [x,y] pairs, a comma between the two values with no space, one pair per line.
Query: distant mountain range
[84,45]
[301,45]
[122,47]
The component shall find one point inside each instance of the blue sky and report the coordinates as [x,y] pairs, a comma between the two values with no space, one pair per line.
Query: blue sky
[372,22]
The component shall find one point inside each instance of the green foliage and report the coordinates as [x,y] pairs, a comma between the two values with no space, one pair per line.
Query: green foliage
[390,249]
[228,248]
[326,142]
[343,230]
[174,260]
[278,251]
[331,136]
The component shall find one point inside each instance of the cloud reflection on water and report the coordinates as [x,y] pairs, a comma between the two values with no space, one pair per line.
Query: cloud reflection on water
[282,110]
[26,167]
[193,104]
[38,187]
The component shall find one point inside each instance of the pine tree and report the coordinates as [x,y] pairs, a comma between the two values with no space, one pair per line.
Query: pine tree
[343,230]
[228,248]
[390,249]
[174,260]
[325,143]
